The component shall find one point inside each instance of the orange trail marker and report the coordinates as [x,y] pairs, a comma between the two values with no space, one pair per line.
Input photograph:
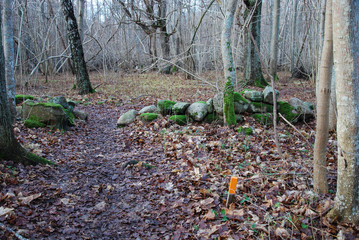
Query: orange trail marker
[232,190]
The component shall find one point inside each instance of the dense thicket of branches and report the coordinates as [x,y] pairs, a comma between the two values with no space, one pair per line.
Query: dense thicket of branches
[126,35]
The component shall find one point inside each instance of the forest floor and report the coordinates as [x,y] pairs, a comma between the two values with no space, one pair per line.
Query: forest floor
[177,186]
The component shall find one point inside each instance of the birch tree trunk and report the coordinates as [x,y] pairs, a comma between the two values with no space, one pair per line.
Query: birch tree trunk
[10,149]
[77,53]
[9,54]
[293,36]
[346,62]
[274,39]
[228,65]
[321,137]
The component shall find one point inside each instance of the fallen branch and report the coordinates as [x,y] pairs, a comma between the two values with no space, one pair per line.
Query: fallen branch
[280,115]
[12,231]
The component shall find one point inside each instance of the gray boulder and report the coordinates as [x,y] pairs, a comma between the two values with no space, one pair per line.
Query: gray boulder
[218,103]
[149,109]
[127,118]
[180,108]
[240,107]
[47,113]
[197,111]
[268,95]
[80,115]
[253,95]
[306,109]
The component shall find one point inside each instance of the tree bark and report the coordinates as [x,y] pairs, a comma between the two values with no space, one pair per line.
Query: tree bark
[253,71]
[274,39]
[9,55]
[228,65]
[81,4]
[346,62]
[321,137]
[10,149]
[77,54]
[293,36]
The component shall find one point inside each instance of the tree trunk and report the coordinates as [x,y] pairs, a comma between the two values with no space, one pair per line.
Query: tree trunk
[165,67]
[10,149]
[346,62]
[274,39]
[293,36]
[333,104]
[321,137]
[253,71]
[77,54]
[228,65]
[9,55]
[81,4]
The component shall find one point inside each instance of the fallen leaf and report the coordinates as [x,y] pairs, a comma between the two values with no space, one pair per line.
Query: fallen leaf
[281,232]
[27,200]
[6,211]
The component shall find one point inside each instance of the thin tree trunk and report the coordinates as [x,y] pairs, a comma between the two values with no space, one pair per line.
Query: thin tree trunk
[321,138]
[333,104]
[228,65]
[274,39]
[346,62]
[9,55]
[77,54]
[293,36]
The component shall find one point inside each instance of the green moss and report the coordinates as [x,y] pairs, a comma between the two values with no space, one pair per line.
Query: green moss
[263,118]
[263,106]
[288,111]
[71,117]
[149,116]
[210,118]
[239,98]
[165,106]
[36,159]
[245,90]
[201,102]
[228,104]
[20,98]
[179,119]
[34,122]
[260,82]
[46,104]
[245,130]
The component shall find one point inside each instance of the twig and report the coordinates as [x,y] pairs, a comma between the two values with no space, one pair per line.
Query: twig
[280,115]
[12,231]
[98,85]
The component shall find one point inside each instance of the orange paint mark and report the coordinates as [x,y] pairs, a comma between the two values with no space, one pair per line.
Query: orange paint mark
[233,185]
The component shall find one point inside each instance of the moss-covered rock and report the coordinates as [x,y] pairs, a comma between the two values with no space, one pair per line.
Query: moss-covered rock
[179,119]
[180,108]
[288,111]
[51,114]
[197,111]
[252,95]
[211,118]
[149,116]
[239,98]
[245,130]
[263,118]
[33,122]
[20,98]
[165,106]
[259,107]
[37,159]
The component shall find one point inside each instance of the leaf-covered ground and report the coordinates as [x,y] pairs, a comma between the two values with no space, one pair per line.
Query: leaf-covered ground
[159,180]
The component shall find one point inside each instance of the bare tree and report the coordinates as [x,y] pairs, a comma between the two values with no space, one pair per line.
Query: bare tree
[274,39]
[77,54]
[9,54]
[228,65]
[321,137]
[10,149]
[346,62]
